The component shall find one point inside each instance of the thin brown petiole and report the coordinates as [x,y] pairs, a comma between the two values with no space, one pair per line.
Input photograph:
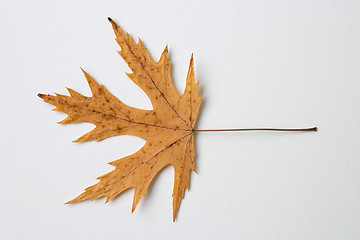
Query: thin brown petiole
[314,129]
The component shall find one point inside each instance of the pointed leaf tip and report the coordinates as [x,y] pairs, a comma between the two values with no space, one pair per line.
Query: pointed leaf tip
[133,208]
[113,23]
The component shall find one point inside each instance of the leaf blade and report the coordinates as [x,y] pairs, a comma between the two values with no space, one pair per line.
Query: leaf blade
[168,129]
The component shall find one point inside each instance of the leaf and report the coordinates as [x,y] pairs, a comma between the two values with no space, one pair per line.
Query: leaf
[168,129]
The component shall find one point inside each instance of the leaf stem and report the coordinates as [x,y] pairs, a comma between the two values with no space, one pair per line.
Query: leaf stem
[314,129]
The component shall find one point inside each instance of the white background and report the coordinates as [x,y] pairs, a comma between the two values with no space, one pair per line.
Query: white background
[259,63]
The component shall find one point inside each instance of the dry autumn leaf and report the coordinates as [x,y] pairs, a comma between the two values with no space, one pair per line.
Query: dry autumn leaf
[168,129]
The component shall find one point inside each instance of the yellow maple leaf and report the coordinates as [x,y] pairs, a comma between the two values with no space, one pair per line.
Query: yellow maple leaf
[168,129]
